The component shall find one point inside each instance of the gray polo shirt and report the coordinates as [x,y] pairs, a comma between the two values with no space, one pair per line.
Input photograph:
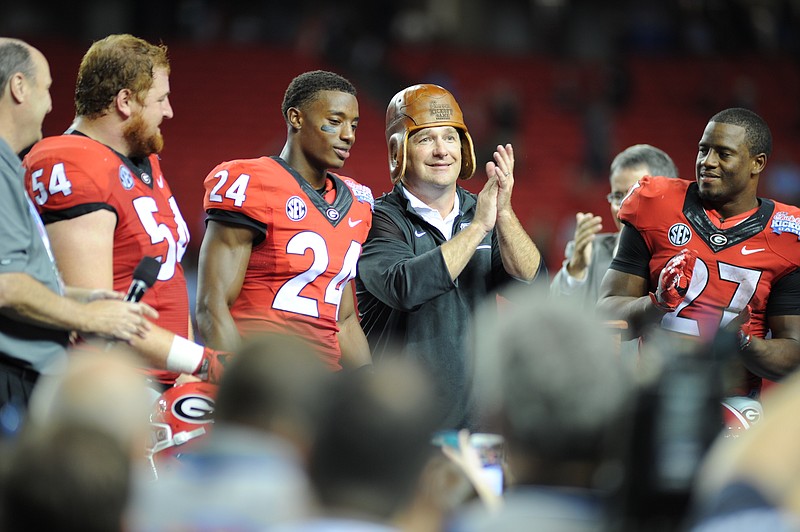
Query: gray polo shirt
[24,247]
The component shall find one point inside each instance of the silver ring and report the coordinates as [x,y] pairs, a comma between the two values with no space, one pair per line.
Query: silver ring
[508,174]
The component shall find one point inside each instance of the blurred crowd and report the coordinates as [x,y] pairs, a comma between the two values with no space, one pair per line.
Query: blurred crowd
[406,361]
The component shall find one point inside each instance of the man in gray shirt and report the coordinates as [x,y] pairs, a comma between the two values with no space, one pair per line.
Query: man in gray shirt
[37,313]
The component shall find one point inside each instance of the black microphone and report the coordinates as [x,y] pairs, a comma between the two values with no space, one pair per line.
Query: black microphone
[144,276]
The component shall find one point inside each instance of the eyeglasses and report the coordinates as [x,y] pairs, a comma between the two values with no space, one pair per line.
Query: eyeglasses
[615,198]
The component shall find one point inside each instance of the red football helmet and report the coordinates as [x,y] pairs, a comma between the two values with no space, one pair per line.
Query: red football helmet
[180,416]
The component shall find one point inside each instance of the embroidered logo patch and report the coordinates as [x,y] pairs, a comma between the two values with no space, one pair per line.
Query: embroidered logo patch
[146,178]
[361,192]
[679,234]
[125,177]
[332,214]
[296,208]
[783,222]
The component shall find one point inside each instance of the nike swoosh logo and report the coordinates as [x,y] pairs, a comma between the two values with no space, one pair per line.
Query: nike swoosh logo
[746,251]
[419,233]
[353,223]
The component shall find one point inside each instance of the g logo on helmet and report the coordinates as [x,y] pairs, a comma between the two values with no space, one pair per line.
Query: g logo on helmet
[739,414]
[194,409]
[181,416]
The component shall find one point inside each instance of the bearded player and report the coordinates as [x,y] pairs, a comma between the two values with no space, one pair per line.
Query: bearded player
[103,196]
[697,257]
[284,233]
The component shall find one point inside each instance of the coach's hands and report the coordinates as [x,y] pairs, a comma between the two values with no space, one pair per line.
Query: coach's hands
[674,281]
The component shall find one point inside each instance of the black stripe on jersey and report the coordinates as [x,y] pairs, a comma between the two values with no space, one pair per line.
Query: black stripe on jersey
[49,217]
[238,218]
[342,203]
[705,229]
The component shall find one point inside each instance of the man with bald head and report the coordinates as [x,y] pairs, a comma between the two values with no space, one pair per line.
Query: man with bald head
[37,312]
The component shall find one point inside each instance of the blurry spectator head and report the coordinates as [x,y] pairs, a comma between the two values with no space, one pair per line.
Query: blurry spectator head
[275,383]
[99,389]
[375,441]
[549,375]
[68,477]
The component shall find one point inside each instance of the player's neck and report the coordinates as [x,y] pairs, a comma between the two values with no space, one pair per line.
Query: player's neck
[724,222]
[732,209]
[104,131]
[316,177]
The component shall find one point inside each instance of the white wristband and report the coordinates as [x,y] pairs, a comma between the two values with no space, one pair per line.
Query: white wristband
[184,355]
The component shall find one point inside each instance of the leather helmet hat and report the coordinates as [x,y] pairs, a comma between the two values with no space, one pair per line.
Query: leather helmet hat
[418,107]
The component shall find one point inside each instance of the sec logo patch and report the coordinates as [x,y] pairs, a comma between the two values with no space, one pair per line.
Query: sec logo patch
[296,208]
[125,177]
[679,234]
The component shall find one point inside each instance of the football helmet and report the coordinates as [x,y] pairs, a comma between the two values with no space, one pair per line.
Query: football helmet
[418,107]
[180,416]
[739,414]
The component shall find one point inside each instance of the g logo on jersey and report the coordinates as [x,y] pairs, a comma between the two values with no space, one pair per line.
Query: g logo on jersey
[332,214]
[679,234]
[718,239]
[296,208]
[125,177]
[194,409]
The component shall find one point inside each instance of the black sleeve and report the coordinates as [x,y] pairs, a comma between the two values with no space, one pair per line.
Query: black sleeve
[633,255]
[784,298]
[49,217]
[237,218]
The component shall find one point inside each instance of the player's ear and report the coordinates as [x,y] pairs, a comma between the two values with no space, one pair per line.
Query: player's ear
[294,117]
[123,101]
[758,163]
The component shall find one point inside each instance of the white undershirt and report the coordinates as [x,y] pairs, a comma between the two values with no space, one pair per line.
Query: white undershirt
[432,216]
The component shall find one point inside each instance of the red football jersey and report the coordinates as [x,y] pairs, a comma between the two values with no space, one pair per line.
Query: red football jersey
[296,275]
[736,266]
[71,175]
